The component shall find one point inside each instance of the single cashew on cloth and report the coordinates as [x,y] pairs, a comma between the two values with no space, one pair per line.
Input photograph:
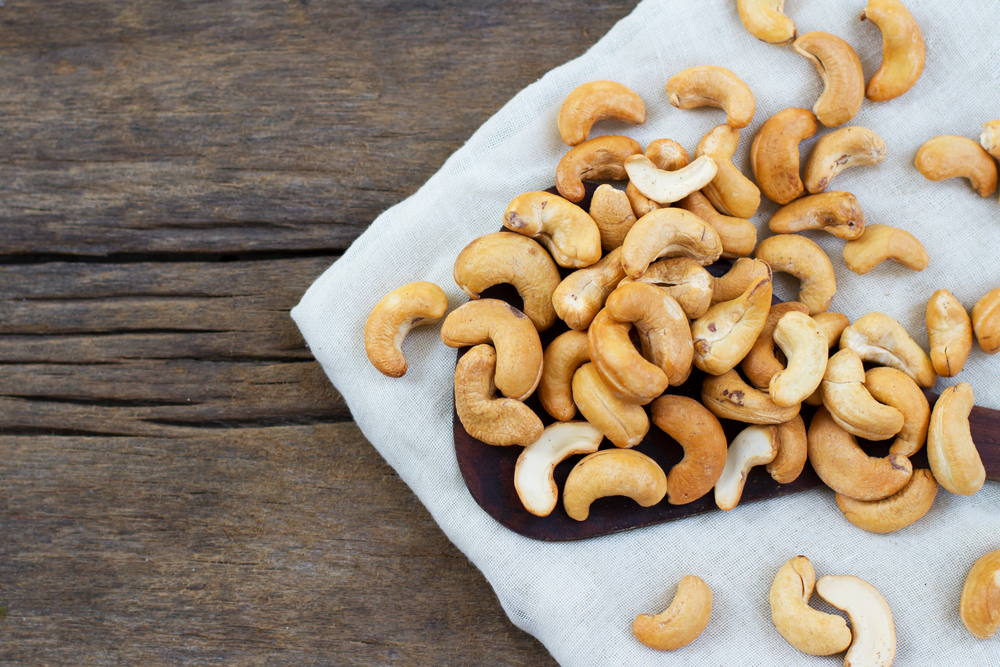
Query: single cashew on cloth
[680,623]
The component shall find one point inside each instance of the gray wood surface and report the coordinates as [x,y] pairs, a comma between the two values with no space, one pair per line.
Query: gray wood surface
[179,483]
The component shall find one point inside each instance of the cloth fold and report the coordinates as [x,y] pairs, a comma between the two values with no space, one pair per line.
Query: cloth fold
[580,598]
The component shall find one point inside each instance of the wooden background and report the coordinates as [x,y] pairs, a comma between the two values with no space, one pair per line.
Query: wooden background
[179,483]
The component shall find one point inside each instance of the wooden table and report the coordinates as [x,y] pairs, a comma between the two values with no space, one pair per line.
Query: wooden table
[179,482]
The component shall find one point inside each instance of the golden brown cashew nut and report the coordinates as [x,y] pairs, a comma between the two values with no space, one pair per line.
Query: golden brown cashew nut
[896,512]
[392,318]
[624,424]
[979,606]
[514,259]
[562,227]
[832,324]
[680,623]
[897,389]
[665,187]
[612,212]
[880,243]
[874,633]
[709,85]
[496,421]
[739,236]
[566,353]
[669,232]
[804,259]
[753,446]
[581,294]
[730,191]
[519,349]
[534,480]
[682,278]
[666,154]
[729,397]
[850,404]
[903,50]
[765,20]
[986,321]
[990,138]
[699,432]
[847,469]
[793,451]
[837,213]
[595,101]
[760,364]
[613,472]
[949,330]
[724,334]
[951,451]
[809,630]
[598,159]
[840,68]
[734,282]
[630,377]
[949,156]
[774,154]
[804,345]
[839,150]
[879,339]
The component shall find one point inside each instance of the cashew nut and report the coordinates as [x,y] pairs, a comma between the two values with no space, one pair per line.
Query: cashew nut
[837,213]
[840,68]
[612,212]
[979,607]
[804,345]
[709,85]
[833,325]
[562,227]
[898,390]
[765,20]
[734,282]
[809,630]
[534,478]
[629,377]
[896,512]
[613,472]
[880,243]
[624,424]
[949,156]
[730,191]
[774,154]
[566,353]
[949,330]
[729,397]
[682,278]
[669,232]
[846,468]
[582,293]
[666,154]
[754,446]
[596,101]
[680,623]
[665,187]
[986,321]
[793,451]
[879,339]
[700,434]
[951,451]
[727,331]
[496,421]
[499,258]
[903,49]
[804,259]
[518,347]
[874,633]
[850,404]
[392,318]
[990,138]
[739,236]
[598,159]
[760,363]
[839,150]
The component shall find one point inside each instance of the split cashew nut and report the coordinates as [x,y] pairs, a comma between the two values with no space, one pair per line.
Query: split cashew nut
[951,451]
[534,478]
[874,633]
[754,446]
[666,187]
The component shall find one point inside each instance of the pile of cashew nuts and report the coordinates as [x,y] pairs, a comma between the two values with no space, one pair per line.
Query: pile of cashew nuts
[642,312]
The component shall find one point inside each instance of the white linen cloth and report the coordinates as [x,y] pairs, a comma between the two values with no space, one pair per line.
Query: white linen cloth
[580,598]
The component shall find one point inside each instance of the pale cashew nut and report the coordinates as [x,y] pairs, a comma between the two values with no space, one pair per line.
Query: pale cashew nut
[666,187]
[897,389]
[833,325]
[739,236]
[804,259]
[595,101]
[765,20]
[990,138]
[753,446]
[581,294]
[534,478]
[809,630]
[851,405]
[562,227]
[499,258]
[629,376]
[709,85]
[986,321]
[566,353]
[500,422]
[624,424]
[392,318]
[669,232]
[666,154]
[846,468]
[760,363]
[950,156]
[880,243]
[979,606]
[774,154]
[729,397]
[700,434]
[680,623]
[874,633]
[837,213]
[951,451]
[727,331]
[734,282]
[949,329]
[519,349]
[793,451]
[879,339]
[613,472]
[896,512]
[903,50]
[804,345]
[682,278]
[598,159]
[840,68]
[839,150]
[612,212]
[730,191]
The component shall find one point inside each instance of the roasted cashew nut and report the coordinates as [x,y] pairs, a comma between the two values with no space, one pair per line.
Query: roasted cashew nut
[837,213]
[613,472]
[793,451]
[765,20]
[896,512]
[898,390]
[682,278]
[986,321]
[760,363]
[665,187]
[990,138]
[850,404]
[734,282]
[624,424]
[804,345]
[840,68]
[534,478]
[581,294]
[729,397]
[730,191]
[979,607]
[598,159]
[669,232]
[562,227]
[951,451]
[809,630]
[903,50]
[949,330]
[566,353]
[627,374]
[879,339]
[754,446]
[727,331]
[709,85]
[680,623]
[880,243]
[874,633]
[700,434]
[833,325]
[612,212]
[739,236]
[666,154]
[804,259]
[595,101]
[839,150]
[774,154]
[392,318]
[949,156]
